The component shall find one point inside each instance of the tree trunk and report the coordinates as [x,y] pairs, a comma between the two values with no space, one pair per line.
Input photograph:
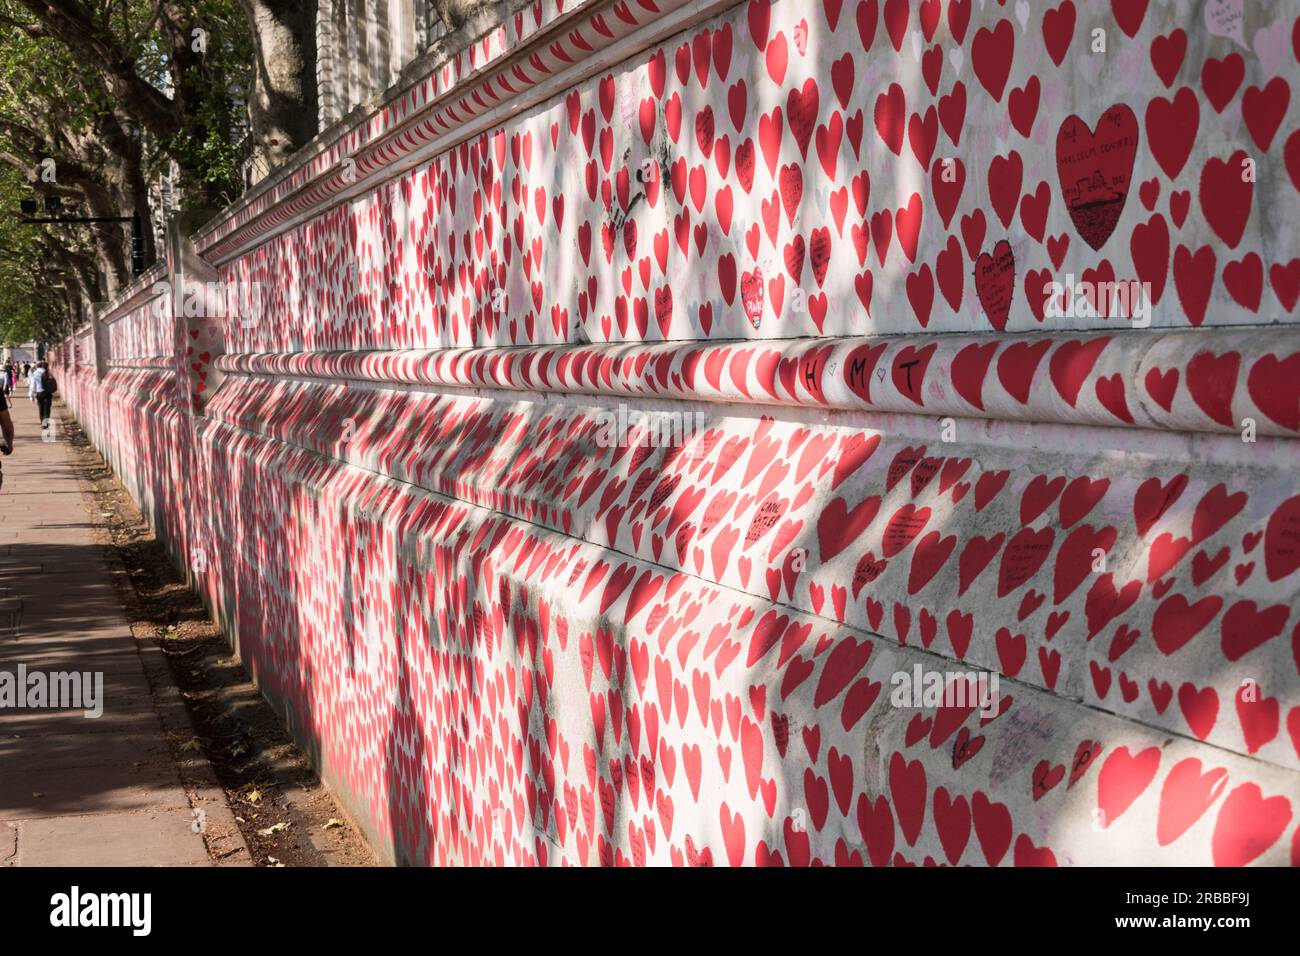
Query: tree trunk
[282,102]
[454,13]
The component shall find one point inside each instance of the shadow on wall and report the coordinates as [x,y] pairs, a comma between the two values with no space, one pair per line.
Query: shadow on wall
[318,549]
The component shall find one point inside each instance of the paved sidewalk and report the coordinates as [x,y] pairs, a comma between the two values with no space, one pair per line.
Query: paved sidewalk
[73,790]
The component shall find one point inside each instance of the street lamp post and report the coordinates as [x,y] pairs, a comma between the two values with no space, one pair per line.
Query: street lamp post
[54,205]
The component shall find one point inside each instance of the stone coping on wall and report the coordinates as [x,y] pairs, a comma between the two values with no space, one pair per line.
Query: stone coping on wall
[155,362]
[527,60]
[1221,380]
[138,291]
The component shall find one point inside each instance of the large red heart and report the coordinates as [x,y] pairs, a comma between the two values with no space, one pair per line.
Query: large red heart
[995,283]
[1282,540]
[1185,797]
[1226,194]
[1248,824]
[1095,168]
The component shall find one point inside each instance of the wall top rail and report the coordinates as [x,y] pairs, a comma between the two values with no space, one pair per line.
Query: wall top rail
[1221,380]
[144,361]
[524,61]
[140,290]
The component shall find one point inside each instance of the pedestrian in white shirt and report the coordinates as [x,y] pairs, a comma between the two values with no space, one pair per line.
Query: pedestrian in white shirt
[42,388]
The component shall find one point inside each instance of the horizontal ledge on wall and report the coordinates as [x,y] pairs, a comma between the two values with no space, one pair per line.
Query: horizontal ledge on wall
[1206,380]
[140,290]
[164,362]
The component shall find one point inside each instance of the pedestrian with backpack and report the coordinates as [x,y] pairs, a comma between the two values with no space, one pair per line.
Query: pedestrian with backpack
[43,387]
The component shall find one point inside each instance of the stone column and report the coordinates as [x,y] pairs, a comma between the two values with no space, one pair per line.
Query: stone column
[102,345]
[326,91]
[198,323]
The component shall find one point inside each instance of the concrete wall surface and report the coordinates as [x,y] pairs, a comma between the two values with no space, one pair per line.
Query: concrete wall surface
[587,449]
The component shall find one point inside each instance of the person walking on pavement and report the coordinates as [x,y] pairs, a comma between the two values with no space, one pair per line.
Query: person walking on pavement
[6,433]
[43,388]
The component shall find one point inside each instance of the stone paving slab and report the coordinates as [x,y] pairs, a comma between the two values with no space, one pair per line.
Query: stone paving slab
[60,791]
[50,656]
[59,751]
[153,838]
[107,674]
[35,723]
[8,844]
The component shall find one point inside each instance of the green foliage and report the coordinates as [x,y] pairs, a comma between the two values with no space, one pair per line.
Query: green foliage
[54,101]
[27,307]
[34,72]
[211,150]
